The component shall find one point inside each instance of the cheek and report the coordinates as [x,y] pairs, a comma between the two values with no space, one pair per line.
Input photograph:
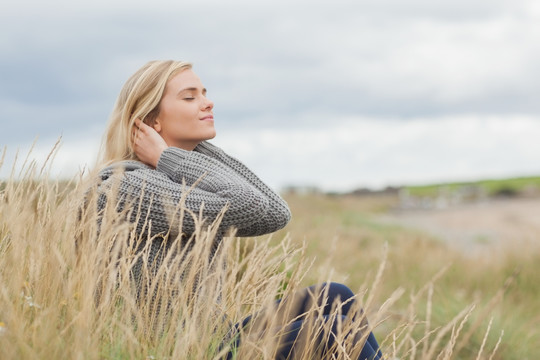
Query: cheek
[179,115]
[171,115]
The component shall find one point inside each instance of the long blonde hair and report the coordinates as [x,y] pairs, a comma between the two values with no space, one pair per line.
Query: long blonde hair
[139,99]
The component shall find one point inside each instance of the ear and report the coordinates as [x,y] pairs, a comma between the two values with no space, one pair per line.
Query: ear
[157,125]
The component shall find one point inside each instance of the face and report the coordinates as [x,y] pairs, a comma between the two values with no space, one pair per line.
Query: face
[185,114]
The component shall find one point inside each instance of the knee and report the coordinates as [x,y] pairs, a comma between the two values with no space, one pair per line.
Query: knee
[338,290]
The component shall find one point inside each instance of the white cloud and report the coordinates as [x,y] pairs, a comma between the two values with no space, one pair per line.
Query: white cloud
[373,90]
[350,153]
[421,56]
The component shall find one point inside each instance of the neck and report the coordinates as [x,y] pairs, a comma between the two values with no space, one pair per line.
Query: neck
[185,145]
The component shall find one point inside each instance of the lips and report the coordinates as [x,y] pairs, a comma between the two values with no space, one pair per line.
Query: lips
[208,117]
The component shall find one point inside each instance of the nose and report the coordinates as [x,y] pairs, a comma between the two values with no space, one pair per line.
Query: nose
[208,104]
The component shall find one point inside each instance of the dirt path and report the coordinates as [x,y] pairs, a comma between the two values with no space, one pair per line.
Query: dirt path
[496,224]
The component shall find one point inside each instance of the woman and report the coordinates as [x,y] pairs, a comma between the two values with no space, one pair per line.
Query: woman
[156,156]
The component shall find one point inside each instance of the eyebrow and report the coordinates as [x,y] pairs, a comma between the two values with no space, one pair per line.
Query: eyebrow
[192,89]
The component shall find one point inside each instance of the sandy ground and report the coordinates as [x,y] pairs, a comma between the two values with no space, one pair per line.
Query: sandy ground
[494,224]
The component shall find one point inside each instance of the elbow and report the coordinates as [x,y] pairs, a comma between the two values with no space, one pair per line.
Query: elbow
[257,216]
[246,209]
[275,219]
[283,217]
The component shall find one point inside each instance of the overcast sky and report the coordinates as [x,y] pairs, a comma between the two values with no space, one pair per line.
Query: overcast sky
[336,94]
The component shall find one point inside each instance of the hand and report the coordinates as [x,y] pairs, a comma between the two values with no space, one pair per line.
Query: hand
[147,143]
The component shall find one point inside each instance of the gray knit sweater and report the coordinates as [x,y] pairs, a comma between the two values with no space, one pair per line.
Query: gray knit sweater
[221,181]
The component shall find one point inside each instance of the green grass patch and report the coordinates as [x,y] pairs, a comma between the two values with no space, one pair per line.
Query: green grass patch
[492,187]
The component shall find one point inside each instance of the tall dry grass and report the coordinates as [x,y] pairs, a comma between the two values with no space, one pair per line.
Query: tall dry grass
[66,291]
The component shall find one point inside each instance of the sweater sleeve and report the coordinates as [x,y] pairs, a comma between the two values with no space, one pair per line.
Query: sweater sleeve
[201,184]
[278,214]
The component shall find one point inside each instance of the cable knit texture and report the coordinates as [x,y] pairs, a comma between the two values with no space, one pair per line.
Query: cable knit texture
[252,208]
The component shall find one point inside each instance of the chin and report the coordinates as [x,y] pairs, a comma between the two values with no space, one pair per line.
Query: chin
[211,135]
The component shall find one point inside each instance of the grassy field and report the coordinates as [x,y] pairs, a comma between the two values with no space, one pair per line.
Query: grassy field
[423,299]
[347,237]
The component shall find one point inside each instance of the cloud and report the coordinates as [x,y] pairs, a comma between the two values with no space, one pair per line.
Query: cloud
[347,57]
[355,152]
[275,68]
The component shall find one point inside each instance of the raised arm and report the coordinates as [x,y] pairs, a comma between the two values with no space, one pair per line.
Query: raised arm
[209,180]
[157,194]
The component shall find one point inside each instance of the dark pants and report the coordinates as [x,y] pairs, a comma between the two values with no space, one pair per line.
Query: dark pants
[325,296]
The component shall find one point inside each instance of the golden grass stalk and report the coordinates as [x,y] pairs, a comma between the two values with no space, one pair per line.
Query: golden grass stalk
[67,290]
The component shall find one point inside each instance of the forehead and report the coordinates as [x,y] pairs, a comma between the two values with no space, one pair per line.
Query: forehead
[184,79]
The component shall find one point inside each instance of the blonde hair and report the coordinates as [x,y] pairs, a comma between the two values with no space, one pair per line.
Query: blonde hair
[139,99]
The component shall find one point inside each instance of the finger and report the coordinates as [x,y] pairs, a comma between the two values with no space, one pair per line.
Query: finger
[134,132]
[136,140]
[142,125]
[139,125]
